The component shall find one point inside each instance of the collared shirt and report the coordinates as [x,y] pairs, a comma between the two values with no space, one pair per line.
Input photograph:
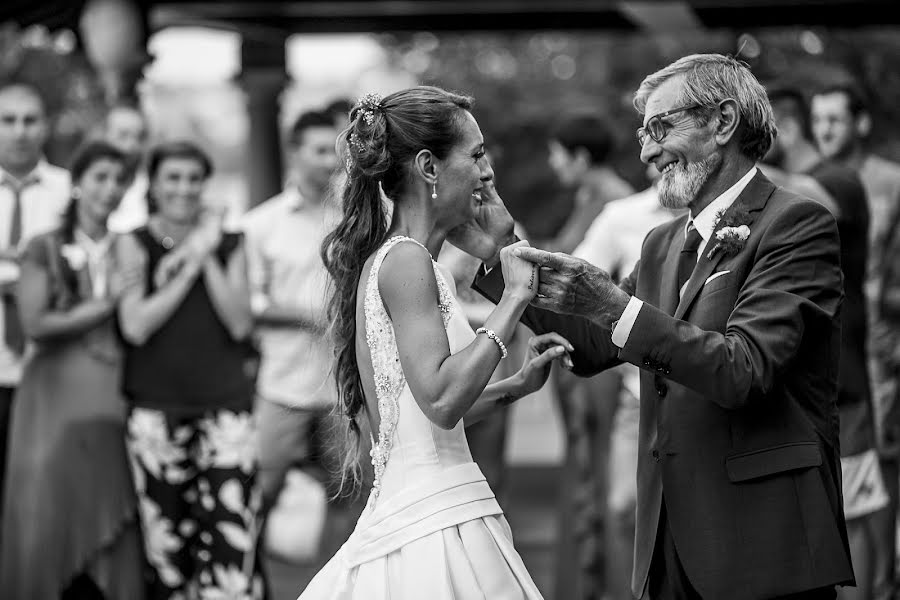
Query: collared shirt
[97,256]
[283,238]
[705,222]
[41,202]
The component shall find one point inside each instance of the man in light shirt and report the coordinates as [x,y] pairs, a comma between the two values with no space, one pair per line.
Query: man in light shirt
[125,127]
[33,195]
[289,285]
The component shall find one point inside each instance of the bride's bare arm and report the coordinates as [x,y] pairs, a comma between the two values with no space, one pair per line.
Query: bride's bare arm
[445,386]
[542,351]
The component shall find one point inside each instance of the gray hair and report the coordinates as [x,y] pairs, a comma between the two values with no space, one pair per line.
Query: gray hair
[708,80]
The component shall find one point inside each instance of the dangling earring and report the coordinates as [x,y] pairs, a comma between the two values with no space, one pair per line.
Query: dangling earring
[434,191]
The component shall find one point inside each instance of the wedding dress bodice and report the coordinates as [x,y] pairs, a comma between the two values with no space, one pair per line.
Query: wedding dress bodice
[409,448]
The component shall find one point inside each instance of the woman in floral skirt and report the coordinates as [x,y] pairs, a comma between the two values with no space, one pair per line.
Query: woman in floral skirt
[190,432]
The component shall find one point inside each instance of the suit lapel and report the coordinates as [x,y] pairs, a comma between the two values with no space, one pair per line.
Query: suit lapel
[669,282]
[753,199]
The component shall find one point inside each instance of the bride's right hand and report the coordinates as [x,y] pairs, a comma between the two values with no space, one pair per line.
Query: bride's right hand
[520,276]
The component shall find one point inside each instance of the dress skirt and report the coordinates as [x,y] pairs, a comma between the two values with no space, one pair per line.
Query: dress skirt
[445,540]
[69,505]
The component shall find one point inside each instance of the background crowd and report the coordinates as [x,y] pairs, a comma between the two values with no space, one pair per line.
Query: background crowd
[165,399]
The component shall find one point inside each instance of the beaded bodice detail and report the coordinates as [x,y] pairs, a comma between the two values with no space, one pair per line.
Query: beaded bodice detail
[389,378]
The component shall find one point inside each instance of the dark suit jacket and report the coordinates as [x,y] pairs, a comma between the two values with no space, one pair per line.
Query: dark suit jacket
[739,424]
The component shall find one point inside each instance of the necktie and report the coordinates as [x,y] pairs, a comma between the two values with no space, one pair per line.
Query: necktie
[13,336]
[688,258]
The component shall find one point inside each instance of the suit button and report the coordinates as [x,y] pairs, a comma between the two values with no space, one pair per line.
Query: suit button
[662,389]
[655,455]
[646,362]
[667,370]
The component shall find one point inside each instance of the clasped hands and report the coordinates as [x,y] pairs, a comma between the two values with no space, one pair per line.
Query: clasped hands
[566,284]
[194,250]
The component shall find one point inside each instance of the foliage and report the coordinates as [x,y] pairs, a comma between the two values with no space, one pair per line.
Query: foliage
[523,81]
[73,95]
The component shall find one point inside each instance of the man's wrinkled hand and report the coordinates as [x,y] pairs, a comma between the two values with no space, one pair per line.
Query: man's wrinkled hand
[572,286]
[490,229]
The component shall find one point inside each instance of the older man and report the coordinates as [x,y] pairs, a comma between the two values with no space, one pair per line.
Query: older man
[733,316]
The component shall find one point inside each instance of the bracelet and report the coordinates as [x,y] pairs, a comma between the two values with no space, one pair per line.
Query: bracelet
[490,333]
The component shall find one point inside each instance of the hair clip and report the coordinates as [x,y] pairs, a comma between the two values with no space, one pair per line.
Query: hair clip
[368,105]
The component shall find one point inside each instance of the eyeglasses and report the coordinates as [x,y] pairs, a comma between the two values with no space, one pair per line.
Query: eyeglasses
[655,126]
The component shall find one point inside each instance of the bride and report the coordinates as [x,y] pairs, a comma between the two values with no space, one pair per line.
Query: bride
[408,360]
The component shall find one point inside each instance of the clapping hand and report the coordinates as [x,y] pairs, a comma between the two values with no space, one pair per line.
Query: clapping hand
[569,285]
[542,351]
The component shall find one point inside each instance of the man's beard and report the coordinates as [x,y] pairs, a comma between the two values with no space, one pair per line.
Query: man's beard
[679,187]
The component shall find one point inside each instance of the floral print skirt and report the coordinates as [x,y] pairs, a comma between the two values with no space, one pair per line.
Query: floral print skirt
[198,502]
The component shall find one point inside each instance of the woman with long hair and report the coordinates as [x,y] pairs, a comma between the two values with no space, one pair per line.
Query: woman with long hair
[70,526]
[408,360]
[190,434]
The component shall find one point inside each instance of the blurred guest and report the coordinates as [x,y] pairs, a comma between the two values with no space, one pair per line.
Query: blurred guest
[339,109]
[288,297]
[70,527]
[841,124]
[191,436]
[580,146]
[33,195]
[613,243]
[125,127]
[863,488]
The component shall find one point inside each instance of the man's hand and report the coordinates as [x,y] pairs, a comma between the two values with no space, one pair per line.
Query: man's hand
[569,285]
[489,231]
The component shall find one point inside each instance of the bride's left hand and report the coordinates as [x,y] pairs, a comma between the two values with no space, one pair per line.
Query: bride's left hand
[542,351]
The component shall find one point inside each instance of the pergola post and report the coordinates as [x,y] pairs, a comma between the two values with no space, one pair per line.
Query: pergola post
[263,77]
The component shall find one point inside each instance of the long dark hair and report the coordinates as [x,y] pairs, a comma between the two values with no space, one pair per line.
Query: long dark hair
[379,145]
[84,157]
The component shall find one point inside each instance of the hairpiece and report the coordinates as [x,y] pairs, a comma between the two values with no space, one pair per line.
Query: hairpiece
[368,105]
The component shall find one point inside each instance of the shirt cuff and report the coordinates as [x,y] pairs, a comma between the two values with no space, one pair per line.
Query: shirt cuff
[623,326]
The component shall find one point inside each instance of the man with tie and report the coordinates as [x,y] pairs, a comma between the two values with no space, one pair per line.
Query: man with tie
[733,316]
[33,194]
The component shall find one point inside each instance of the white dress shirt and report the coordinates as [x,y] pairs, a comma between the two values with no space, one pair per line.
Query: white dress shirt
[41,204]
[705,221]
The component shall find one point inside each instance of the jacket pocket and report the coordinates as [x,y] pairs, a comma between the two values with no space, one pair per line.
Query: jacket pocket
[770,461]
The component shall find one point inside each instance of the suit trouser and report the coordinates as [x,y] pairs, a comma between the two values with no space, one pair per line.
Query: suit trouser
[668,580]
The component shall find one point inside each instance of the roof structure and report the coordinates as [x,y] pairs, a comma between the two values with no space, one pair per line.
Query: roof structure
[336,16]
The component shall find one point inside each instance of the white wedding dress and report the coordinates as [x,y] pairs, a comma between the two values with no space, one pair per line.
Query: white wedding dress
[432,527]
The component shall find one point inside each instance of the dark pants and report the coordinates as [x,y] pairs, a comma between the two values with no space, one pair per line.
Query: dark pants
[668,581]
[6,399]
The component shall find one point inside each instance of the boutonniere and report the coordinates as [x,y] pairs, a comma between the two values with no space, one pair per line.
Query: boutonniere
[75,255]
[732,233]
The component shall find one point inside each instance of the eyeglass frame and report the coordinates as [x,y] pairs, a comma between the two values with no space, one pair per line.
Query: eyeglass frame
[642,131]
